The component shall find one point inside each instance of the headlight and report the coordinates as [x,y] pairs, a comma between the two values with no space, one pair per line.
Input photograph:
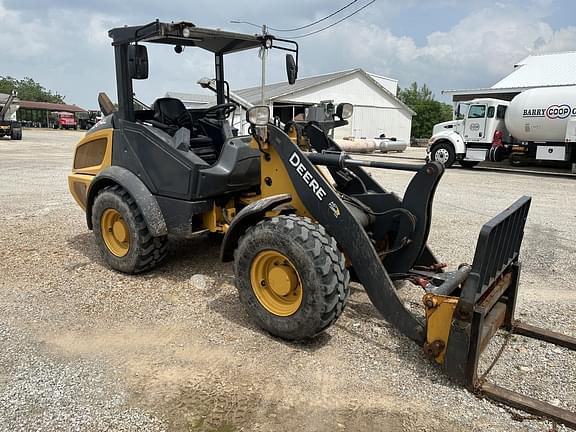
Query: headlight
[268,42]
[258,115]
[344,110]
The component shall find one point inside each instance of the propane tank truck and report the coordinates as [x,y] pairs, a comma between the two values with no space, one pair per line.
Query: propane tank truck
[536,125]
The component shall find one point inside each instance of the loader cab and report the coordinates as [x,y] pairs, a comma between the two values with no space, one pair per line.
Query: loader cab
[187,153]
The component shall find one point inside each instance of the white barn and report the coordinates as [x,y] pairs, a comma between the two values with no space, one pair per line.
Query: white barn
[377,110]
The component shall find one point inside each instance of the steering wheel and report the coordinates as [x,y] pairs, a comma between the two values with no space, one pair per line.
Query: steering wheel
[220,112]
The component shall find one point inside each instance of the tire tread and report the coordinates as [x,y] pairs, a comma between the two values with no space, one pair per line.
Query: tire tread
[152,250]
[323,251]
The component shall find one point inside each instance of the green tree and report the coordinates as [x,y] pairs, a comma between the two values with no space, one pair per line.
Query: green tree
[428,110]
[28,89]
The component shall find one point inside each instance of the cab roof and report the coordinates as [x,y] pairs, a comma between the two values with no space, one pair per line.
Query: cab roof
[187,34]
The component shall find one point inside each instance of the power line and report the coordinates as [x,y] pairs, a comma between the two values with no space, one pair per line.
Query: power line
[312,23]
[246,22]
[315,22]
[335,23]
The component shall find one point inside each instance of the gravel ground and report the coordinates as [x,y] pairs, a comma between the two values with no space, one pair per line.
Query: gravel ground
[85,348]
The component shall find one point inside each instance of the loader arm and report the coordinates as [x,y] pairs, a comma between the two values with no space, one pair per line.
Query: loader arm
[418,199]
[325,205]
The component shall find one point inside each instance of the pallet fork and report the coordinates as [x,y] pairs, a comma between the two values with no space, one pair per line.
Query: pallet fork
[486,303]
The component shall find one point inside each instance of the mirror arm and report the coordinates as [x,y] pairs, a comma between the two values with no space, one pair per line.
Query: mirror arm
[293,50]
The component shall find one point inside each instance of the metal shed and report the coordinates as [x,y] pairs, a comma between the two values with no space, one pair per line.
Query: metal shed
[535,71]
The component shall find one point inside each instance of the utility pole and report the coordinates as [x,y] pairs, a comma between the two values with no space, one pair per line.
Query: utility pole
[263,55]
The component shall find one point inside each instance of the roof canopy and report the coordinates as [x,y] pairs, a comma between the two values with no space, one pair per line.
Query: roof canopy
[187,34]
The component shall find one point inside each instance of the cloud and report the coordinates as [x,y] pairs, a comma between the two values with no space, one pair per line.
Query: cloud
[65,46]
[476,52]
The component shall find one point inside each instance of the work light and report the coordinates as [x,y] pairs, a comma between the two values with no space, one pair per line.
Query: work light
[344,110]
[258,115]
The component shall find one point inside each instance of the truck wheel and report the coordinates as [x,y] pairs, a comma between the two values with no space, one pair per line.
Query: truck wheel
[468,164]
[291,277]
[517,160]
[122,234]
[445,154]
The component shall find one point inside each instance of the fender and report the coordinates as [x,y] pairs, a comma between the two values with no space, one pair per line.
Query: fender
[248,216]
[135,187]
[453,137]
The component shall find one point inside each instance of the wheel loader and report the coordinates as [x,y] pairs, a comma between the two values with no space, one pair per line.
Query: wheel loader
[298,217]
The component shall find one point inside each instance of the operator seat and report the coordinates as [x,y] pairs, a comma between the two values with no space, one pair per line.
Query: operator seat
[170,114]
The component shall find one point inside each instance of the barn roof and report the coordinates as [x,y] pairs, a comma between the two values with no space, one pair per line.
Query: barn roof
[49,106]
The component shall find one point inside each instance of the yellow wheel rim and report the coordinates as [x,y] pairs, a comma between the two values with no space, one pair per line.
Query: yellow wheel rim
[276,283]
[115,232]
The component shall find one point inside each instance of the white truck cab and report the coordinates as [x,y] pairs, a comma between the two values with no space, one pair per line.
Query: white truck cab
[469,139]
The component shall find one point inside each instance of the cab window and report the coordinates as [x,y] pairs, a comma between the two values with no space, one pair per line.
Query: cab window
[491,112]
[501,111]
[477,111]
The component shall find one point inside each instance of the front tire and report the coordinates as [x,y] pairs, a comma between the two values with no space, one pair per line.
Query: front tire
[444,153]
[122,234]
[291,277]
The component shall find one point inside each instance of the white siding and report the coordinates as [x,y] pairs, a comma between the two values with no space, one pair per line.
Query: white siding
[355,89]
[388,83]
[370,122]
[375,112]
[238,121]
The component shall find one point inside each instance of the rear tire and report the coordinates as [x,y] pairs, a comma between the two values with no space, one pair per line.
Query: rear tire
[444,153]
[517,160]
[122,234]
[16,134]
[312,289]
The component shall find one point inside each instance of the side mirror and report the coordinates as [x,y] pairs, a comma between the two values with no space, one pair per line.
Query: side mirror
[138,62]
[458,114]
[291,69]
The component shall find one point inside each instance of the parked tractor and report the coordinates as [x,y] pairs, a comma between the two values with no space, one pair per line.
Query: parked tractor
[297,234]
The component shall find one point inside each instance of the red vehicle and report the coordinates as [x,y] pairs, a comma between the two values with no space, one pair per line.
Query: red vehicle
[64,120]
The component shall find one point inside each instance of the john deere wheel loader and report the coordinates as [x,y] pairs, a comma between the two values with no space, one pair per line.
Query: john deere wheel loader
[297,234]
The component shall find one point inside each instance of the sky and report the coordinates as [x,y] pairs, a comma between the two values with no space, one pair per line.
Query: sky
[446,44]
